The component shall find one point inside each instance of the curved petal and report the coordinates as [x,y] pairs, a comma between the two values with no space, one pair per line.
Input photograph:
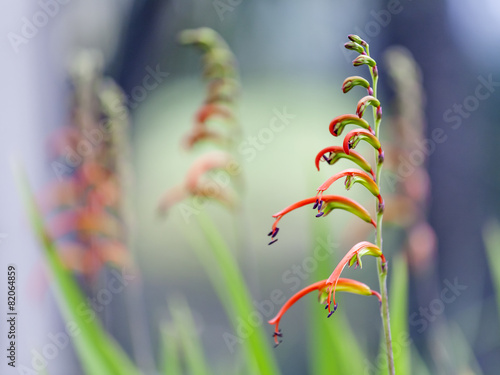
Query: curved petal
[340,122]
[364,102]
[343,285]
[352,176]
[337,153]
[353,256]
[327,204]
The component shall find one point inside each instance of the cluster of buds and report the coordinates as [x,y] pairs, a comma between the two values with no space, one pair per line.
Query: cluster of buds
[365,176]
[85,205]
[214,123]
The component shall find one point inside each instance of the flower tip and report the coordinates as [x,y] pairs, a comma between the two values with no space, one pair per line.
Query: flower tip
[320,214]
[273,241]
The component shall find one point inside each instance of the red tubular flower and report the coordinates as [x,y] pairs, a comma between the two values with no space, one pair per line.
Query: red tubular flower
[326,205]
[343,285]
[352,176]
[352,139]
[353,256]
[340,122]
[337,152]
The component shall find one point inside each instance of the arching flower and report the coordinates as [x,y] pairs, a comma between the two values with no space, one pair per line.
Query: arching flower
[327,204]
[353,256]
[352,176]
[342,285]
[340,122]
[335,153]
[352,139]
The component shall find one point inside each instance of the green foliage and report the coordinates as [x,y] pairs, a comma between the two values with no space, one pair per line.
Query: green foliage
[227,279]
[399,292]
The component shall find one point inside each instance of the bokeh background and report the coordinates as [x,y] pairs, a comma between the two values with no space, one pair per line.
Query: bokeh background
[291,58]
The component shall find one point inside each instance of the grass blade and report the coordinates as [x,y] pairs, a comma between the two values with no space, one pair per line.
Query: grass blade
[235,297]
[399,292]
[188,338]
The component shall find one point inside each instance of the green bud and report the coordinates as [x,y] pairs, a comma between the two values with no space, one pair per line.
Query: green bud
[350,82]
[364,60]
[354,47]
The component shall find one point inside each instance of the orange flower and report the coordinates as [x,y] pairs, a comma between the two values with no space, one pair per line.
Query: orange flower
[353,256]
[344,285]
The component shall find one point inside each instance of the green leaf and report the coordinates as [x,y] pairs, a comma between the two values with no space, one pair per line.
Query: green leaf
[399,292]
[170,350]
[98,352]
[491,235]
[226,277]
[189,340]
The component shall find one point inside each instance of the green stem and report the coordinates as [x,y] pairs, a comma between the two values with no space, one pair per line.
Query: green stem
[382,269]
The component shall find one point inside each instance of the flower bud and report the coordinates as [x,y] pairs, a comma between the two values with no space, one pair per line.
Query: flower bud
[364,60]
[356,39]
[365,101]
[350,82]
[355,47]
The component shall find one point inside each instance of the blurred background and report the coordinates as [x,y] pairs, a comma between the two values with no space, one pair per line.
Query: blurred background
[442,175]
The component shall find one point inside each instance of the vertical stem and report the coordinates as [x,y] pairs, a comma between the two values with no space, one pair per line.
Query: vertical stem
[382,269]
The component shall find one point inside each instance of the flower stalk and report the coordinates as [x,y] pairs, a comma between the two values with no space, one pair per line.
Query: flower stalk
[366,177]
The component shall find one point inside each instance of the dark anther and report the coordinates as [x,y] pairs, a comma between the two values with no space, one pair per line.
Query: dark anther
[273,241]
[325,157]
[349,145]
[320,214]
[279,342]
[278,334]
[316,204]
[275,232]
[384,267]
[270,233]
[326,306]
[330,313]
[320,205]
[381,157]
[381,207]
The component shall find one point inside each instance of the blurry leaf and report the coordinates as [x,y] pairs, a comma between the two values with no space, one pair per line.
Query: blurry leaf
[188,339]
[399,293]
[333,347]
[227,279]
[170,351]
[418,365]
[98,352]
[491,235]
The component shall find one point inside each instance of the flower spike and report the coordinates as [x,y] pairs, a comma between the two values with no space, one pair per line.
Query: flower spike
[337,152]
[352,176]
[364,102]
[352,139]
[350,82]
[327,204]
[352,257]
[340,122]
[343,285]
